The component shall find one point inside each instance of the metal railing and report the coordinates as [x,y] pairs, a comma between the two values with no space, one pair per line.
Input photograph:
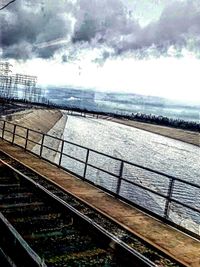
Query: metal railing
[168,198]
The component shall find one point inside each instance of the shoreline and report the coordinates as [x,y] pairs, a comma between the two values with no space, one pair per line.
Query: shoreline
[189,137]
[35,119]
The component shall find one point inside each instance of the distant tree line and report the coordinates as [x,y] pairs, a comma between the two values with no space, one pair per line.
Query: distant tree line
[141,117]
[165,121]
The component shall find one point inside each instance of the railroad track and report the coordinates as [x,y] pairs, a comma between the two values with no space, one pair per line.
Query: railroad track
[41,225]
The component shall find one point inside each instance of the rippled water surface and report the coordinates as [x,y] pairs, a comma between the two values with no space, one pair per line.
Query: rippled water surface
[160,153]
[148,149]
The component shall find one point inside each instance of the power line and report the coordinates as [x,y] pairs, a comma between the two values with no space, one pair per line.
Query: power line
[7,4]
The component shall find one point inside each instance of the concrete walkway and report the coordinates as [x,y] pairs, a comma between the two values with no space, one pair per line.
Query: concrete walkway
[178,245]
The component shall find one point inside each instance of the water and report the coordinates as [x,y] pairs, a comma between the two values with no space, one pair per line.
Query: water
[164,154]
[160,153]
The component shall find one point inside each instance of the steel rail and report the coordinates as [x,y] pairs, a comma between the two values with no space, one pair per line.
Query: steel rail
[118,245]
[46,182]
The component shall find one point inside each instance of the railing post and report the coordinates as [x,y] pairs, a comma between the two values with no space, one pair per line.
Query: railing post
[168,198]
[86,162]
[120,177]
[3,130]
[41,146]
[26,143]
[13,138]
[61,152]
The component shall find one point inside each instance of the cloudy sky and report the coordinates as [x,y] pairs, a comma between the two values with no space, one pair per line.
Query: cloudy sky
[149,47]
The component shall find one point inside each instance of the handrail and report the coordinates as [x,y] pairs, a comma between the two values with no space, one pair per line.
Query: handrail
[101,153]
[167,196]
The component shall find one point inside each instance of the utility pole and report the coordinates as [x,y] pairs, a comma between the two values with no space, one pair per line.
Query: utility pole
[18,85]
[29,85]
[5,79]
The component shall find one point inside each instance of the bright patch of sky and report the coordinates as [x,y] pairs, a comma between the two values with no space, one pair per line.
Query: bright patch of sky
[141,51]
[146,11]
[165,77]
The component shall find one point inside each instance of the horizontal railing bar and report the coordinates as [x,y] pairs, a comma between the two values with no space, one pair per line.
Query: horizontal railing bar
[23,127]
[145,188]
[119,196]
[8,122]
[148,189]
[130,182]
[16,134]
[7,131]
[71,157]
[36,143]
[50,148]
[34,131]
[71,143]
[55,137]
[139,166]
[185,205]
[31,130]
[108,156]
[187,182]
[97,168]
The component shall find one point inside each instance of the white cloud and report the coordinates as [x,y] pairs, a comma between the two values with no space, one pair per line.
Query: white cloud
[166,77]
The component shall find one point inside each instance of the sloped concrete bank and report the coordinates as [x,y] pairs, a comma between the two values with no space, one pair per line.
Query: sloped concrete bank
[37,119]
[49,121]
[56,131]
[16,115]
[174,133]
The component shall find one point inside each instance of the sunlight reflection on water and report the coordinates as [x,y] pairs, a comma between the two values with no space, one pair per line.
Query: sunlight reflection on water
[160,153]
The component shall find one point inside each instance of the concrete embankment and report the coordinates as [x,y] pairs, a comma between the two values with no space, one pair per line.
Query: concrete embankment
[56,131]
[190,137]
[174,133]
[18,114]
[37,119]
[50,121]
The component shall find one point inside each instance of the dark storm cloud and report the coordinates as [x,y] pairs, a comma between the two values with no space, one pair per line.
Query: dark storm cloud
[23,50]
[64,58]
[110,23]
[22,28]
[178,23]
[105,20]
[27,26]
